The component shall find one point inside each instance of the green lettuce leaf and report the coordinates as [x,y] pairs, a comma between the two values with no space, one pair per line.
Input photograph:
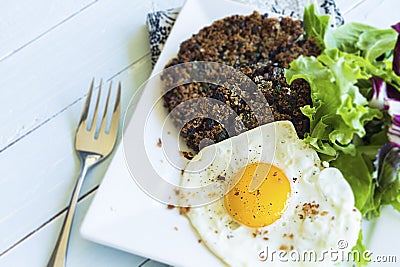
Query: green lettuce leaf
[377,43]
[360,247]
[317,27]
[386,188]
[347,36]
[356,171]
[339,110]
[365,40]
[344,129]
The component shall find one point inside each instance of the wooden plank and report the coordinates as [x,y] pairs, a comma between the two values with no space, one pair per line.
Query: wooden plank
[81,252]
[45,77]
[380,13]
[345,5]
[38,173]
[19,26]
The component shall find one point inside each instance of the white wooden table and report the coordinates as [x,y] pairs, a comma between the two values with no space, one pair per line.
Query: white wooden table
[49,52]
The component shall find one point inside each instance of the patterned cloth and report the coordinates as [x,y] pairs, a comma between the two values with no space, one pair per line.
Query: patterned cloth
[160,23]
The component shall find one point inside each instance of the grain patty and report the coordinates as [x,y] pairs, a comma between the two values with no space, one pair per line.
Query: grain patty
[261,48]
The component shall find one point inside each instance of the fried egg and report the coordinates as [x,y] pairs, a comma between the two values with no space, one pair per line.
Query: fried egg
[278,197]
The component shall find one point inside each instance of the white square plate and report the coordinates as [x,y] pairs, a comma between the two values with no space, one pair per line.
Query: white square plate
[121,214]
[124,217]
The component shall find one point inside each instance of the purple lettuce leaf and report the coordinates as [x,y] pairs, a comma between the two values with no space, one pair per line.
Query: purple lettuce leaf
[396,51]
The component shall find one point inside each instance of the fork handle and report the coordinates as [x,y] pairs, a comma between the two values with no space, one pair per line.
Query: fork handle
[59,255]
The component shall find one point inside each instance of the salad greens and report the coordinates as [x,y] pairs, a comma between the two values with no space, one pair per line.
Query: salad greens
[361,248]
[315,26]
[355,112]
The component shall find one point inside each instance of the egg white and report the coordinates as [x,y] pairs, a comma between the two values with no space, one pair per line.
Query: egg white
[276,143]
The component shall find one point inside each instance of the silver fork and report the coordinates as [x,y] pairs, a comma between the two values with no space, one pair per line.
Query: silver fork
[91,148]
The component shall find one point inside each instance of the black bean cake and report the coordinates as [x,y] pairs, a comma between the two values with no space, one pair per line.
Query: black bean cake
[261,48]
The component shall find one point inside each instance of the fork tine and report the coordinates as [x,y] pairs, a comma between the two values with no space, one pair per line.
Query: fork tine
[104,120]
[96,109]
[116,114]
[85,110]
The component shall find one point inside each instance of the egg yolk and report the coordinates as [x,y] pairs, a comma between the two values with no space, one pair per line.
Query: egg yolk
[266,203]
